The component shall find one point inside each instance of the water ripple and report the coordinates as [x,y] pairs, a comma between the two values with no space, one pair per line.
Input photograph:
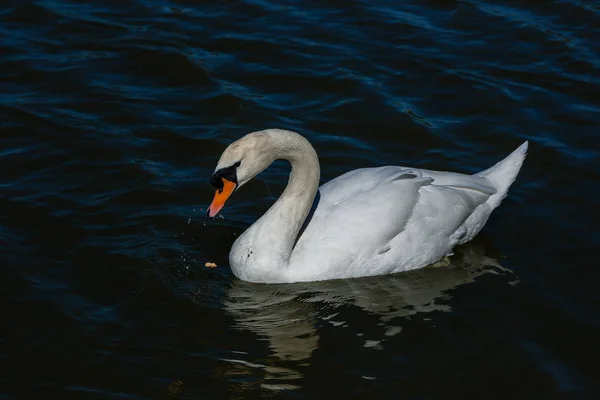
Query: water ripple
[114,114]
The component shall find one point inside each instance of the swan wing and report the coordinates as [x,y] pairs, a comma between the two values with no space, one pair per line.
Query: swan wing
[366,217]
[355,213]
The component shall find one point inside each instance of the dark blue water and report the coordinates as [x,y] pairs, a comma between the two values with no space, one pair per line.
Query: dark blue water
[113,115]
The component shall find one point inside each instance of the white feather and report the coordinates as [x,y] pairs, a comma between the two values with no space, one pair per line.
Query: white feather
[369,221]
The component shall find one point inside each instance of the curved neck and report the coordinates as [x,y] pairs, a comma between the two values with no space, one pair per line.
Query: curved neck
[274,234]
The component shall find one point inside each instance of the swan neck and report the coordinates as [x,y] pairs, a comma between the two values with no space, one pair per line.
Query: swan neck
[273,236]
[295,203]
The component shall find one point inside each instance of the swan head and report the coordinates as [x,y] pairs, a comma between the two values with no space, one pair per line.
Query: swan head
[241,161]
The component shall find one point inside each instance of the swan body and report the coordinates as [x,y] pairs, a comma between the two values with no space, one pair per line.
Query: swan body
[369,221]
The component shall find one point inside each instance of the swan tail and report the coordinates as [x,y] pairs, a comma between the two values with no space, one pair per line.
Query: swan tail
[504,173]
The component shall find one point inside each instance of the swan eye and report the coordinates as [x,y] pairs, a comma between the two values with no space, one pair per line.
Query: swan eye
[228,173]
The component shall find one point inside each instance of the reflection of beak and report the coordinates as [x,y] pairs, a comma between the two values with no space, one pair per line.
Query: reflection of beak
[221,196]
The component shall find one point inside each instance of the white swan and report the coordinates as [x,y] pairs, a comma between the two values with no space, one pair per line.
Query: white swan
[369,221]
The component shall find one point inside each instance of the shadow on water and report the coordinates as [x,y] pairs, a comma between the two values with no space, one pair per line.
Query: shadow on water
[289,317]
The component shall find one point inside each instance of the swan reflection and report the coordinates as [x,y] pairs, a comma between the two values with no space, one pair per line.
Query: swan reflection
[287,316]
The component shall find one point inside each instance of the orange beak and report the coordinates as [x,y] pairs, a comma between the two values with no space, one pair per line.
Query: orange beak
[221,196]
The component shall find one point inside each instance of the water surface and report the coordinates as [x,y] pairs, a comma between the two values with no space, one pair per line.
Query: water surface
[113,115]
